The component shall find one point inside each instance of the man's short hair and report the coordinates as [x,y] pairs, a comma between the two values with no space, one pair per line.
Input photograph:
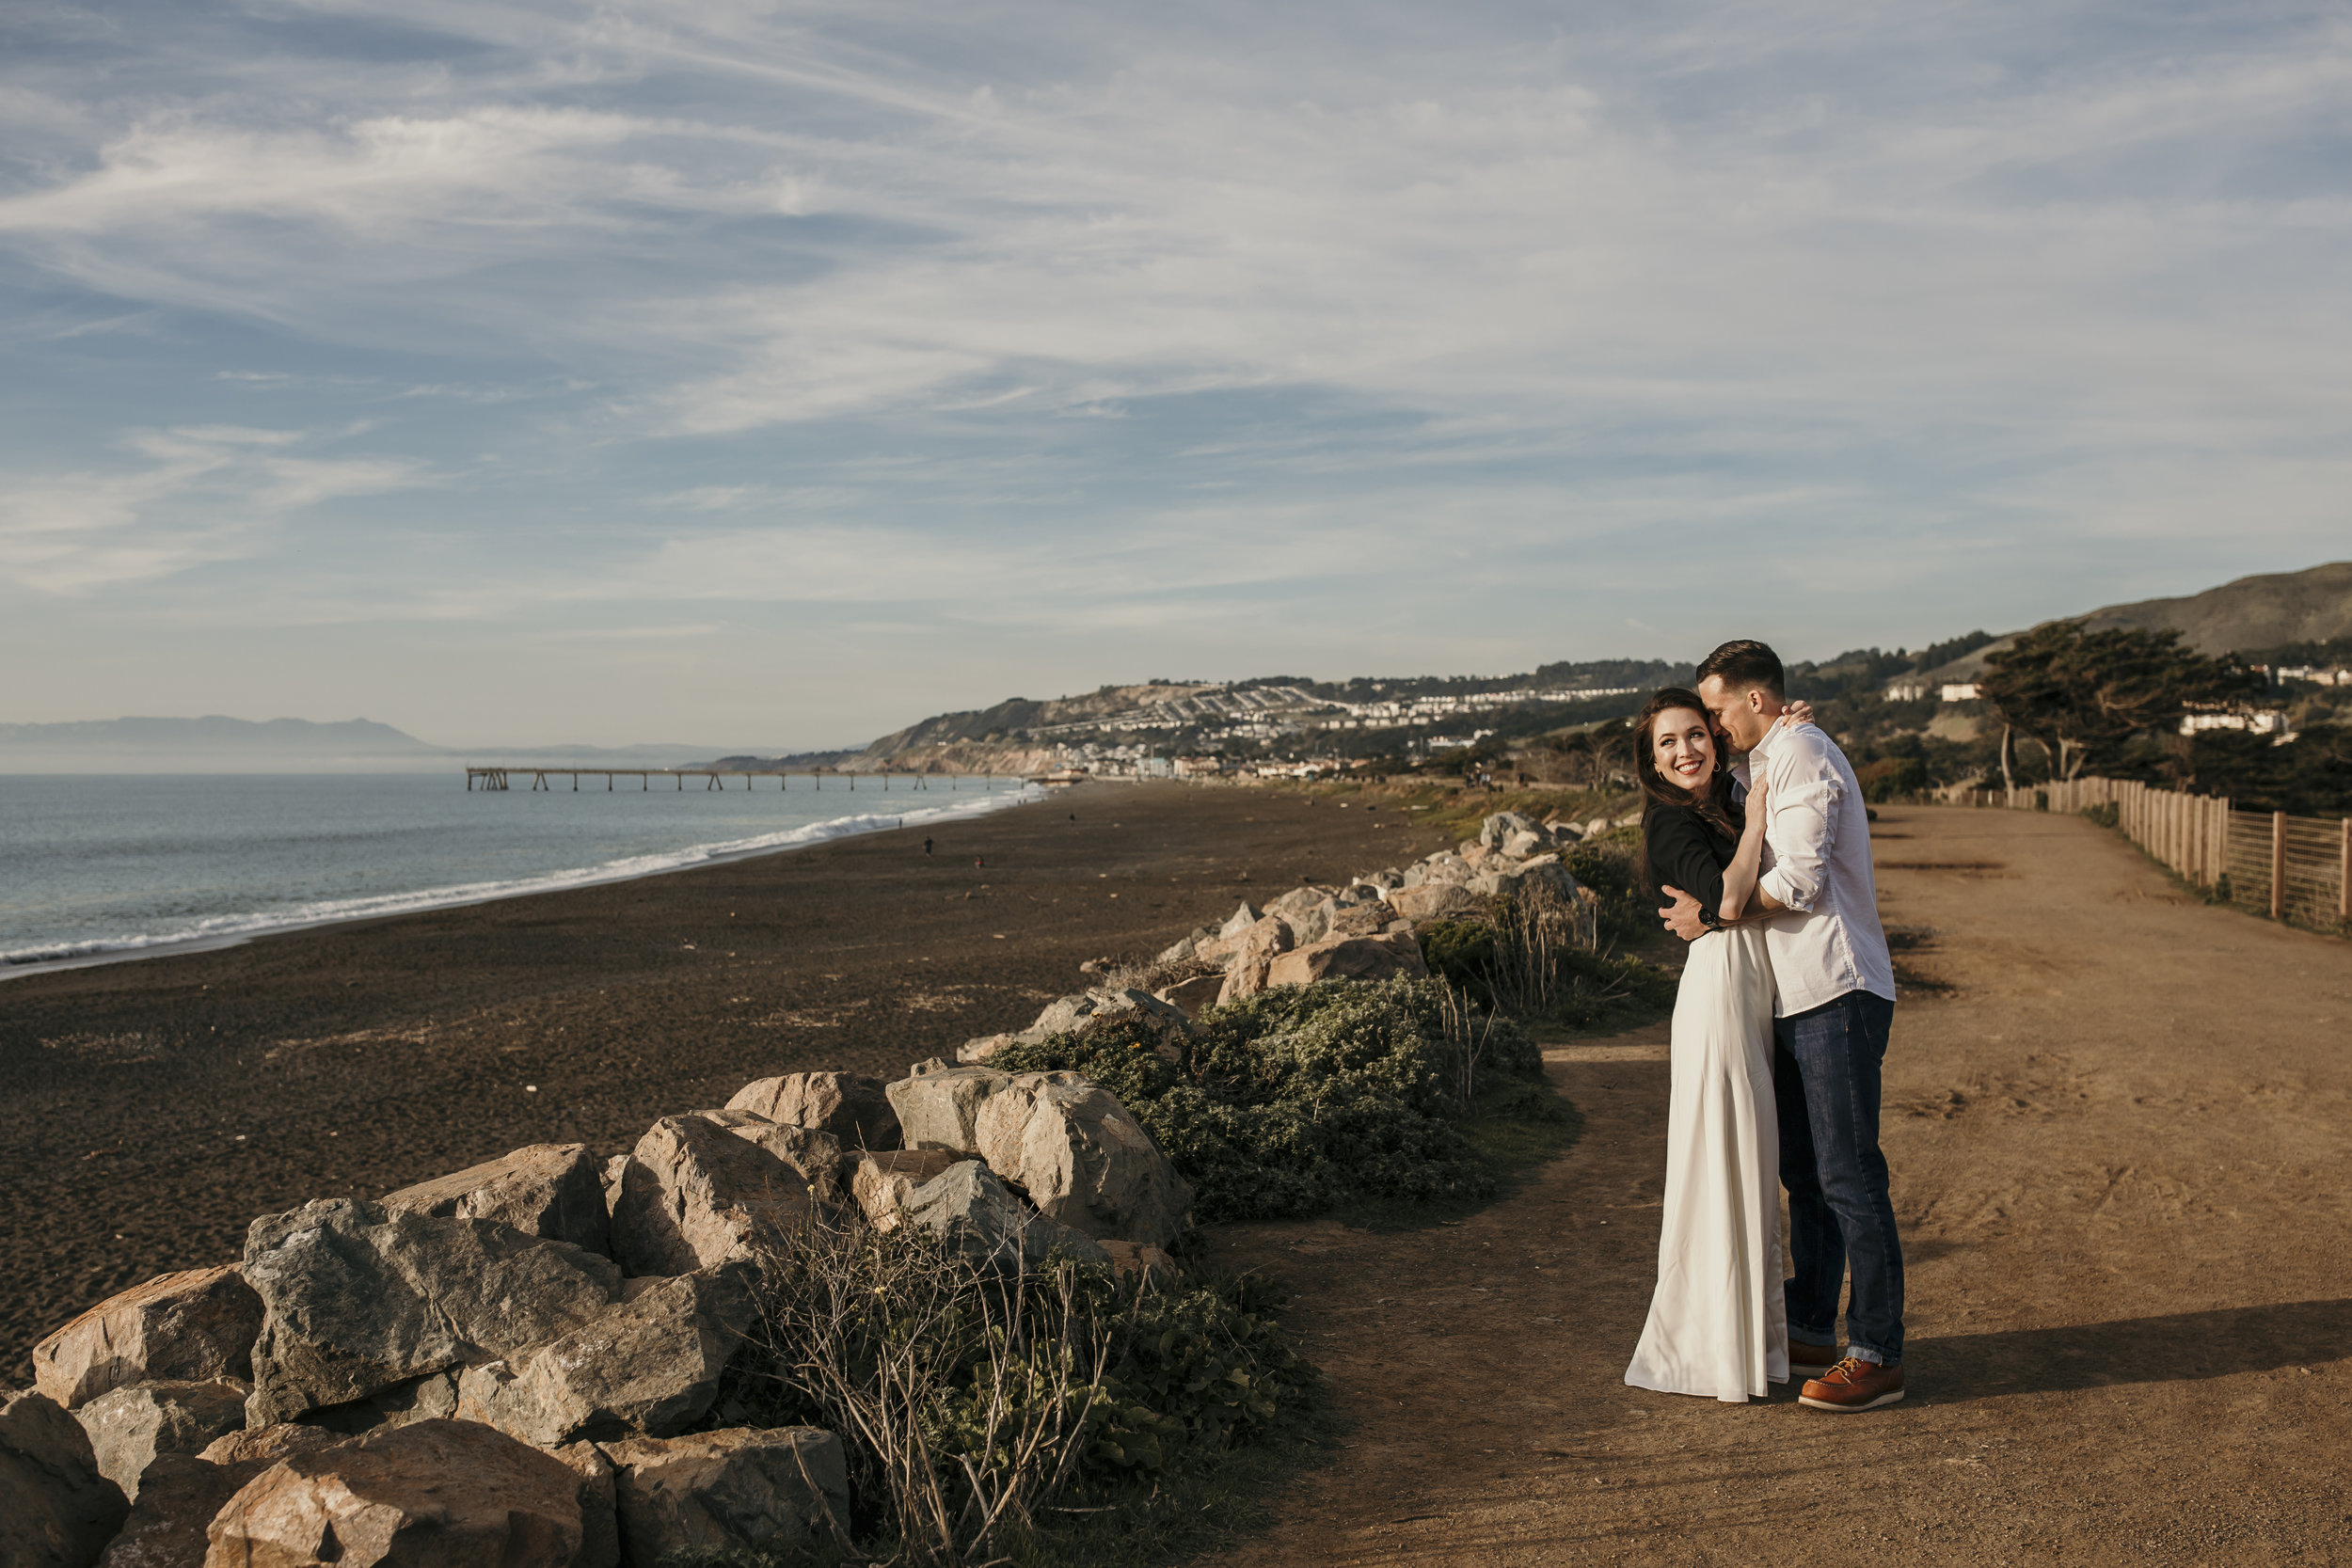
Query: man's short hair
[1743,664]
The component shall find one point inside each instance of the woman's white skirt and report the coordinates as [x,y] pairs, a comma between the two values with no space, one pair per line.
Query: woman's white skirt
[1718,1321]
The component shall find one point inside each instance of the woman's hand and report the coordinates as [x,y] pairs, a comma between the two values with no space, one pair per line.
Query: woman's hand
[1757,787]
[1797,712]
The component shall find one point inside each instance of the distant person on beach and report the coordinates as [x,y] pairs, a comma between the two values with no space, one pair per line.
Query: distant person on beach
[1814,904]
[927,846]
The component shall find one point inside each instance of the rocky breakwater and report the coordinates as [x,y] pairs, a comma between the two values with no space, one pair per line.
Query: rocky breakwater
[517,1365]
[1368,929]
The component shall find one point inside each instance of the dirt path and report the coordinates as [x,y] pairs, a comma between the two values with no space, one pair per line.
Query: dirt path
[2120,1143]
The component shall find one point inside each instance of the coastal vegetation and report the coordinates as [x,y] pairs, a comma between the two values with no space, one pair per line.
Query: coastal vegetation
[1300,1101]
[1035,1416]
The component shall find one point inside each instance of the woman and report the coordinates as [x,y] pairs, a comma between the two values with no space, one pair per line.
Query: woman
[1718,1322]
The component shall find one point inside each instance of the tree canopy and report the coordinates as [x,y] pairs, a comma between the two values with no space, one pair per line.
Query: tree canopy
[2083,694]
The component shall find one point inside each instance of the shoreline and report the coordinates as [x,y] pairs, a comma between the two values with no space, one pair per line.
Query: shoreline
[426,900]
[152,1109]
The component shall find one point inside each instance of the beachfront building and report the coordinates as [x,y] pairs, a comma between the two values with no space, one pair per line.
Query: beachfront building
[2270,722]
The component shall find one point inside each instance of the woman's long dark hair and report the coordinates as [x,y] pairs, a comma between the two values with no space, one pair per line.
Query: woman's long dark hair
[1657,791]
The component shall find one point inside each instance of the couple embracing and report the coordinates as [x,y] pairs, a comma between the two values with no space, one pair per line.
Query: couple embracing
[1779,1031]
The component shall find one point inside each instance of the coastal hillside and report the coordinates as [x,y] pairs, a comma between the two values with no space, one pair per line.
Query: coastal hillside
[1360,716]
[2251,615]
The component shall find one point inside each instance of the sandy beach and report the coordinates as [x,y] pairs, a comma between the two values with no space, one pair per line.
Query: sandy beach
[150,1109]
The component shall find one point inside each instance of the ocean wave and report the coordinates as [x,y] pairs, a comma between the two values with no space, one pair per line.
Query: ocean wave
[220,930]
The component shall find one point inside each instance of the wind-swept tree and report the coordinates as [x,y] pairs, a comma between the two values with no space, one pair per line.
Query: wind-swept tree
[2081,696]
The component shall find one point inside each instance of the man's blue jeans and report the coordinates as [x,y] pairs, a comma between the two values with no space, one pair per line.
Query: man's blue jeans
[1825,1075]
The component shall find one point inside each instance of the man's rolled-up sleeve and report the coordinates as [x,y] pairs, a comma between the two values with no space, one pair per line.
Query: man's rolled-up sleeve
[1804,802]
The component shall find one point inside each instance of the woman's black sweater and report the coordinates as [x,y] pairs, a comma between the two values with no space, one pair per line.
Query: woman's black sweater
[1688,851]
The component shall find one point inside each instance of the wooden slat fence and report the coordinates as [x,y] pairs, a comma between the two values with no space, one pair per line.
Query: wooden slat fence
[2297,869]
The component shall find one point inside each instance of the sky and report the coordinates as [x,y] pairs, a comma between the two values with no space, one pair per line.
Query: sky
[770,377]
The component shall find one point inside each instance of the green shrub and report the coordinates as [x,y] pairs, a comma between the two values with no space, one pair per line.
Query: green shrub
[1302,1098]
[2107,814]
[1610,864]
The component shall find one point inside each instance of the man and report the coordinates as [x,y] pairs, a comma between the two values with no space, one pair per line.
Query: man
[1835,1002]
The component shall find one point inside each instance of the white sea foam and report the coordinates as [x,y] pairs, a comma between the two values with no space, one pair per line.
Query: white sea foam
[226,929]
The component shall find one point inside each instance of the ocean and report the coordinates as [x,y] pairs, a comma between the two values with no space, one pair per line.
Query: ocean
[94,867]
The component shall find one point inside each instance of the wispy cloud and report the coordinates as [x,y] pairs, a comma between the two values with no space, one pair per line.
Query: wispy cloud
[194,494]
[1124,316]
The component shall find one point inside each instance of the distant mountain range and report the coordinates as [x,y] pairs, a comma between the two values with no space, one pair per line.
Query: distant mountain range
[215,744]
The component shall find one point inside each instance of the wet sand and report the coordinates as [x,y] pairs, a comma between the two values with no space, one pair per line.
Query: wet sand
[148,1110]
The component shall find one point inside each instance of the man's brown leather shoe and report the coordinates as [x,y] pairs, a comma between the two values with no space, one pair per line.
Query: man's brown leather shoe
[1854,1385]
[1809,1361]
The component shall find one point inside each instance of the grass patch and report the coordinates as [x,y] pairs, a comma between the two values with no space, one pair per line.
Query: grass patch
[991,1412]
[1587,993]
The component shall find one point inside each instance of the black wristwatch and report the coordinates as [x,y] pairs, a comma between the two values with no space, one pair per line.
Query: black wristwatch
[1709,919]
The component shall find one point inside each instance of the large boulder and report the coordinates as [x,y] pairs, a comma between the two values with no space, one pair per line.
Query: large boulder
[1437,901]
[551,1189]
[1195,996]
[1178,951]
[1350,957]
[815,1154]
[648,1367]
[1443,866]
[57,1509]
[970,1206]
[883,1183]
[733,1489]
[1353,918]
[599,1514]
[1083,1160]
[430,1398]
[193,1326]
[270,1444]
[360,1299]
[436,1495]
[178,1498]
[129,1426]
[181,1494]
[695,1196]
[1239,921]
[1498,830]
[939,1106]
[1086,1011]
[1297,901]
[979,1048]
[1251,952]
[850,1106]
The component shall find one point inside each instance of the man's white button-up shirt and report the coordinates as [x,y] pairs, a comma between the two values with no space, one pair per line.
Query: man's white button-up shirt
[1816,861]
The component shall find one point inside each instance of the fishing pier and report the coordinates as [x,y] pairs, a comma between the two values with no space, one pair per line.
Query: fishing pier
[713,778]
